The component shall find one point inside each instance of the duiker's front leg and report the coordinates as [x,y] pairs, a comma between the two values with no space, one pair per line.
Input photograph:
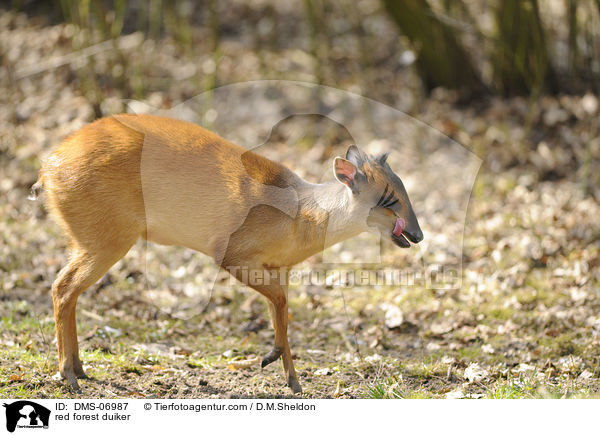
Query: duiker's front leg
[279,319]
[273,285]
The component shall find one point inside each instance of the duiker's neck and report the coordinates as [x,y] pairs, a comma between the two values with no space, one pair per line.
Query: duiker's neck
[325,215]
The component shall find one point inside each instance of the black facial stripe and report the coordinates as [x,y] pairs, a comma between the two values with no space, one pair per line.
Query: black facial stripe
[389,204]
[389,197]
[382,196]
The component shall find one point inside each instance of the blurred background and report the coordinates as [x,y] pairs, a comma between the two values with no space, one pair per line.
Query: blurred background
[538,60]
[516,82]
[503,47]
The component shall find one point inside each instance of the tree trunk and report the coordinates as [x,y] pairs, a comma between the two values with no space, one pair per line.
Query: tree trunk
[441,59]
[520,59]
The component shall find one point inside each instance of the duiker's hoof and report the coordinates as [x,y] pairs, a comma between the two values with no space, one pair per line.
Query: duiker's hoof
[271,356]
[70,378]
[82,375]
[294,385]
[74,386]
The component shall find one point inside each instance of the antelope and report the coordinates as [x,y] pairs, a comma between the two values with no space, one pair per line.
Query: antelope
[174,183]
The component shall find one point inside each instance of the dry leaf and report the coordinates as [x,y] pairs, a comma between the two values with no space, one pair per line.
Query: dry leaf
[393,316]
[456,394]
[156,368]
[244,364]
[475,373]
[337,392]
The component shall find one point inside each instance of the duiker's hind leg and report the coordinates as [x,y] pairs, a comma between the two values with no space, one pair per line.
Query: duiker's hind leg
[83,270]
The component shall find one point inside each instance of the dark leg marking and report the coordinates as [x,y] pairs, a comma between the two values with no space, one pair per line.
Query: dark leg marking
[273,355]
[294,385]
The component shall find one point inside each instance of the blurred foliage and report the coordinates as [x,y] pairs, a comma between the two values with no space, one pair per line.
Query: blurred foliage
[508,47]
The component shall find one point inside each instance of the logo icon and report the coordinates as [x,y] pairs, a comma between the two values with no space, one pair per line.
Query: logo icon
[26,414]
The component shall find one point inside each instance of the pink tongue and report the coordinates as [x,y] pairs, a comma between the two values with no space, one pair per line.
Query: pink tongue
[399,227]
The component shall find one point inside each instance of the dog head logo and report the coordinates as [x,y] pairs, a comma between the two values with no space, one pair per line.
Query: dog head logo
[26,414]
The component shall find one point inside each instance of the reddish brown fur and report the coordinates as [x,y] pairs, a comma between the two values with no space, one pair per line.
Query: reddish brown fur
[172,182]
[94,191]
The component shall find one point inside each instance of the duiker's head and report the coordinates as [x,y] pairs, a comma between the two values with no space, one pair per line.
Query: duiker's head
[379,195]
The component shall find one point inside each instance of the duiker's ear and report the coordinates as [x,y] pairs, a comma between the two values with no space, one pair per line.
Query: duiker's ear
[345,172]
[354,155]
[382,159]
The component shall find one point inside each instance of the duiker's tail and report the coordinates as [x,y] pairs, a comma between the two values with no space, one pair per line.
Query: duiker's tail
[37,187]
